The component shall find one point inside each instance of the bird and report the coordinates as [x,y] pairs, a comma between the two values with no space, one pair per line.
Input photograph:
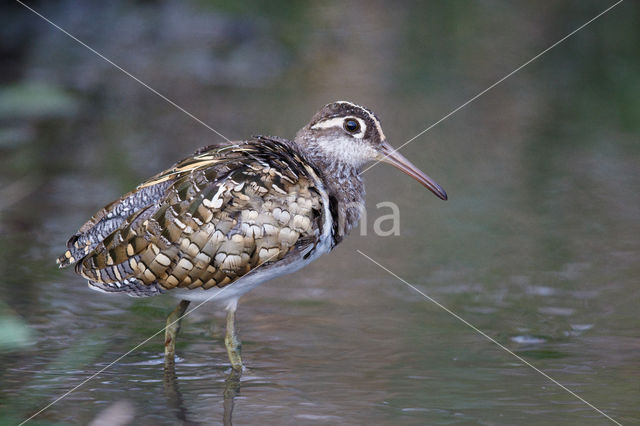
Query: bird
[236,214]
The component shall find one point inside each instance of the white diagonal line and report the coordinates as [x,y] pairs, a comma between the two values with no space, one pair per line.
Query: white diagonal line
[124,71]
[500,345]
[449,114]
[115,361]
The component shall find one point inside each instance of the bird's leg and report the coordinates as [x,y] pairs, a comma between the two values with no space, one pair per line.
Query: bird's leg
[231,338]
[172,329]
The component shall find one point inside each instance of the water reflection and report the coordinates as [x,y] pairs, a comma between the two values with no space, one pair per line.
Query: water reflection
[174,397]
[176,403]
[231,390]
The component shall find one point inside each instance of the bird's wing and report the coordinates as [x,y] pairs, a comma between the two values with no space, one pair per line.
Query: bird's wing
[115,214]
[107,220]
[222,213]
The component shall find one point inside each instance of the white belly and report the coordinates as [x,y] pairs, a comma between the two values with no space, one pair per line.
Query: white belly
[232,292]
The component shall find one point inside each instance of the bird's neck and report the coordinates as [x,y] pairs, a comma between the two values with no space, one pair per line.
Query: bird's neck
[344,188]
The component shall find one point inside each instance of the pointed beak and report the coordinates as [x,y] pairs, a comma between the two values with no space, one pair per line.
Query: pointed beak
[389,155]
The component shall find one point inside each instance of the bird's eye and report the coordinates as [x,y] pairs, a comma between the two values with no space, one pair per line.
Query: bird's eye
[351,125]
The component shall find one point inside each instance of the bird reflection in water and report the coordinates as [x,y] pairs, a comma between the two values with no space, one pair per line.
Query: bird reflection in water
[175,400]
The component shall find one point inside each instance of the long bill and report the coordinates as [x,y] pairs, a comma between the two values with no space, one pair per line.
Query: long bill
[397,160]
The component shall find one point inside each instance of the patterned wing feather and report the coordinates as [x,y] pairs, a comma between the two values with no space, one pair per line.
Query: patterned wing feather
[221,213]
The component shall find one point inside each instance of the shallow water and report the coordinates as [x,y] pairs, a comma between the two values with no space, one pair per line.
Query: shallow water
[537,247]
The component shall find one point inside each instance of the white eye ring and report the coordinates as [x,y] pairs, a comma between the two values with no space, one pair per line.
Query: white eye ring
[339,122]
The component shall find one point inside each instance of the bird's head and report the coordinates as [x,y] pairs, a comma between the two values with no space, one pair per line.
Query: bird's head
[348,134]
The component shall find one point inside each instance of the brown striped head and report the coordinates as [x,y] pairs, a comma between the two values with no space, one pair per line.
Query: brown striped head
[346,134]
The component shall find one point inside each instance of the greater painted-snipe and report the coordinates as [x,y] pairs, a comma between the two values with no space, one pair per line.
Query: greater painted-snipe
[236,215]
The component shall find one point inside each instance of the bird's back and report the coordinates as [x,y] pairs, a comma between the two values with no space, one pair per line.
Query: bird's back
[206,222]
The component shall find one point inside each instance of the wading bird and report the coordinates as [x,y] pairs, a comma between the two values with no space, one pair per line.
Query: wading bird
[236,215]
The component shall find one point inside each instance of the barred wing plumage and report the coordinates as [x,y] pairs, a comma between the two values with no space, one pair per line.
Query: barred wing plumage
[205,222]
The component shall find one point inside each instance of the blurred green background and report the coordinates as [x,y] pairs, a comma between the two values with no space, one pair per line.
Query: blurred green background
[538,245]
